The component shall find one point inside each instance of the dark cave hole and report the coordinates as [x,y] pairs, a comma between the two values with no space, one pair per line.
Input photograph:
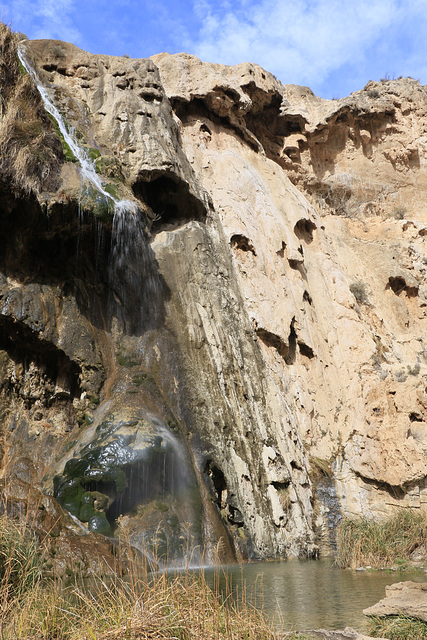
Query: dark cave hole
[171,201]
[304,230]
[243,243]
[398,284]
[217,482]
[305,350]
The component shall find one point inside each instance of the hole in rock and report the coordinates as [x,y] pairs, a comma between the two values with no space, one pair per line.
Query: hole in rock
[170,199]
[305,350]
[416,417]
[36,357]
[307,297]
[304,230]
[398,284]
[287,351]
[217,482]
[243,243]
[281,252]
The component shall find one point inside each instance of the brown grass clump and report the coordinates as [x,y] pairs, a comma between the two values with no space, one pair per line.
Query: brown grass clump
[141,606]
[30,151]
[380,544]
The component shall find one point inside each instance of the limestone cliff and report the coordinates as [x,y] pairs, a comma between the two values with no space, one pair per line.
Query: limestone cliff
[267,307]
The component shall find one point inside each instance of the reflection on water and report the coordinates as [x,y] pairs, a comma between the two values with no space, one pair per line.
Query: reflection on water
[311,594]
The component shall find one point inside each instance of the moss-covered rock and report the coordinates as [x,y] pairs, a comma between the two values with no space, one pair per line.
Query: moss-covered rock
[109,167]
[99,524]
[97,204]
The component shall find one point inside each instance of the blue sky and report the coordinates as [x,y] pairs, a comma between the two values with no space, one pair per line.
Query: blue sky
[333,46]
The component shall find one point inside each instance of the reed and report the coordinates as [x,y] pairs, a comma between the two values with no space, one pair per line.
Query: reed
[142,605]
[380,544]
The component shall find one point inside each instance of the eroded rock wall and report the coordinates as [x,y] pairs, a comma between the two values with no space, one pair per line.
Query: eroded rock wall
[274,315]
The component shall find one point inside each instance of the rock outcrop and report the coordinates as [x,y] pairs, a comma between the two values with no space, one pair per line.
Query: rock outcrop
[408,599]
[267,305]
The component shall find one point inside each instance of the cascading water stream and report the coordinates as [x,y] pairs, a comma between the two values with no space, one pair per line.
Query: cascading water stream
[134,282]
[159,479]
[86,164]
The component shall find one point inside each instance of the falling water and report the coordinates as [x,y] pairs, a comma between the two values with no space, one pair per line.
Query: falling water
[136,288]
[86,164]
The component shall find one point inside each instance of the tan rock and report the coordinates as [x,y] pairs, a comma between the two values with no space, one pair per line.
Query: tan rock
[407,599]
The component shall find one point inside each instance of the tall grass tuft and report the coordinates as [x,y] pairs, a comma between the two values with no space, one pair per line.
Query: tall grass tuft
[143,605]
[380,544]
[398,628]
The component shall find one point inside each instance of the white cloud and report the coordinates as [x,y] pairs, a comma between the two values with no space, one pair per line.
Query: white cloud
[303,41]
[42,18]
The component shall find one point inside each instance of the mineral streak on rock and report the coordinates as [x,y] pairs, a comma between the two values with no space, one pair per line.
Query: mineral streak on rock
[285,238]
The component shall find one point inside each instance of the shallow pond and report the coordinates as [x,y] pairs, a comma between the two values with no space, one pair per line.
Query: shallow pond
[310,594]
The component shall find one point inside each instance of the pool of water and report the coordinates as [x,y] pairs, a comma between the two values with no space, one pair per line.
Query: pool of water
[309,594]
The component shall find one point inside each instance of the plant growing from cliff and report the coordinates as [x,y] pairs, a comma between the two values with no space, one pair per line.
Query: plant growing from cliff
[415,370]
[30,151]
[399,212]
[360,291]
[366,542]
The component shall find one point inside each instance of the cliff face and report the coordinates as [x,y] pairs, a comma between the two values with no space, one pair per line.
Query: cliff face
[267,308]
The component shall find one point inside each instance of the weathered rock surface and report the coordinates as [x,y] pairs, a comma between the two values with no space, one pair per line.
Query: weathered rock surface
[268,301]
[407,599]
[347,634]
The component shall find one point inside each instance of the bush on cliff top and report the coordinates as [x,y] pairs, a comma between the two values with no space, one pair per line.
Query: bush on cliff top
[380,544]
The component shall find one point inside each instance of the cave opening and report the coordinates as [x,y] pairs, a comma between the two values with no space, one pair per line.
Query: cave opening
[170,200]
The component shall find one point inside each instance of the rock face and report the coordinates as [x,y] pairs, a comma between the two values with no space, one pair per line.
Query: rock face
[267,306]
[407,599]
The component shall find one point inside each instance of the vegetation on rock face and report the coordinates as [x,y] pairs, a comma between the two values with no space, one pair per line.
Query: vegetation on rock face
[30,151]
[360,291]
[380,544]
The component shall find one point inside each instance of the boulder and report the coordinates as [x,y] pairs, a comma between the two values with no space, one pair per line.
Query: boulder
[402,599]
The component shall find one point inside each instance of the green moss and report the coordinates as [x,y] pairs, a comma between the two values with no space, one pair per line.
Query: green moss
[87,510]
[69,494]
[96,203]
[110,167]
[125,360]
[99,524]
[93,153]
[162,506]
[22,69]
[68,154]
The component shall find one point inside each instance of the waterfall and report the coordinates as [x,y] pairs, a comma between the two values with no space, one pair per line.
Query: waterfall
[87,166]
[136,289]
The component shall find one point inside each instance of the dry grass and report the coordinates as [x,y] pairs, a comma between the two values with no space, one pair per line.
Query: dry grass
[141,606]
[30,151]
[398,628]
[380,544]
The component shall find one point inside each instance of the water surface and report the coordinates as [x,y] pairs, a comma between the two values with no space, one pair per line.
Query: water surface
[310,594]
